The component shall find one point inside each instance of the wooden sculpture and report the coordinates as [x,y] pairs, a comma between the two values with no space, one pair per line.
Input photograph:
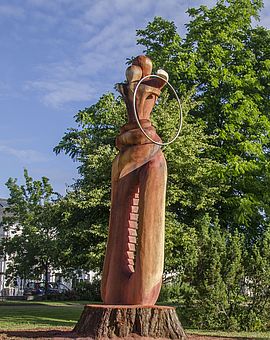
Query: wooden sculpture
[133,266]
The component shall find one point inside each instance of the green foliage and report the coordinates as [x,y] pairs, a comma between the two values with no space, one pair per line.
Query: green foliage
[217,214]
[224,287]
[31,246]
[89,291]
[82,229]
[228,63]
[86,209]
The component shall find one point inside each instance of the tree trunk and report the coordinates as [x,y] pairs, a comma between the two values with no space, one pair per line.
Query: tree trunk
[46,280]
[109,321]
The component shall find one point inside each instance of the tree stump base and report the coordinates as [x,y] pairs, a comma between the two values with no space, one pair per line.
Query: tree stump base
[109,321]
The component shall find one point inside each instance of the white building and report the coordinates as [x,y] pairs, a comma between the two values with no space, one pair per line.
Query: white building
[4,288]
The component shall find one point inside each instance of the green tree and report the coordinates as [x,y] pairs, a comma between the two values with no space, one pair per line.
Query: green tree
[217,223]
[192,176]
[85,209]
[228,63]
[32,246]
[217,278]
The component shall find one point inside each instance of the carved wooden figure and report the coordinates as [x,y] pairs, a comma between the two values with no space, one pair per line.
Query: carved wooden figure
[133,266]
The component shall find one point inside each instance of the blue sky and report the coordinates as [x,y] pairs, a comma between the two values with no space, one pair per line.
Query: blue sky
[57,57]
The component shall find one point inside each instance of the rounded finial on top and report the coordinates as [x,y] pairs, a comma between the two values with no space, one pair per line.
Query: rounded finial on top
[133,73]
[163,74]
[145,63]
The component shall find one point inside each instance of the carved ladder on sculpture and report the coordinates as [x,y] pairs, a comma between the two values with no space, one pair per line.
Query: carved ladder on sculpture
[132,232]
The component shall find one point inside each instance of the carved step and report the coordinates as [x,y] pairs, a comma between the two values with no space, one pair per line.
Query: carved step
[132,232]
[133,217]
[133,224]
[130,255]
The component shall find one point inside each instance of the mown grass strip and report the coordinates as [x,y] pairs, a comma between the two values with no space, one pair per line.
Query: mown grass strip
[38,315]
[241,335]
[24,315]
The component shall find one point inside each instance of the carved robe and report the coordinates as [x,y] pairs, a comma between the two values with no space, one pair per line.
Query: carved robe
[133,266]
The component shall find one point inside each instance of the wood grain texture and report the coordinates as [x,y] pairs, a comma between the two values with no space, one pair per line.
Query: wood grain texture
[133,265]
[107,321]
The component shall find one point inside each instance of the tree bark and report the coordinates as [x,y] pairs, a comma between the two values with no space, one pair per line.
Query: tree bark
[109,321]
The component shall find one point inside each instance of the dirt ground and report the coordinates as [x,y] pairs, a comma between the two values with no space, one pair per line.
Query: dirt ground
[44,334]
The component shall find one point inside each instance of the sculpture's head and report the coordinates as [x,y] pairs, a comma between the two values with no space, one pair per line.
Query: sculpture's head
[141,65]
[148,91]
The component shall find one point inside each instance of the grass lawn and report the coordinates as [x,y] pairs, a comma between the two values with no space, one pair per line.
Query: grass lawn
[31,315]
[241,335]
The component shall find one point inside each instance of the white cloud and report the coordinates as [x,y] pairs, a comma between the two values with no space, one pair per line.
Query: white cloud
[58,93]
[27,156]
[104,35]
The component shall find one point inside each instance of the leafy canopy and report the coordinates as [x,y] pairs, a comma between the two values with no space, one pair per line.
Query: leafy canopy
[217,223]
[32,247]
